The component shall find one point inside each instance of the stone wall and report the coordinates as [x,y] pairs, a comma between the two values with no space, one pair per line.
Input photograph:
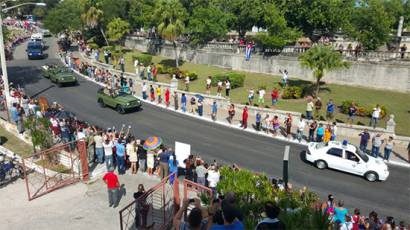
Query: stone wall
[391,76]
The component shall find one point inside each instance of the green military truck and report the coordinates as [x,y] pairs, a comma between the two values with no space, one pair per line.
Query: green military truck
[122,102]
[59,75]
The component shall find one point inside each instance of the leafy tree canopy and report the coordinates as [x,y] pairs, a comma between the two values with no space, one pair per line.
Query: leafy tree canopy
[65,16]
[117,28]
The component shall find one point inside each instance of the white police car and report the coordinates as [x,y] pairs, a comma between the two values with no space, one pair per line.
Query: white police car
[348,158]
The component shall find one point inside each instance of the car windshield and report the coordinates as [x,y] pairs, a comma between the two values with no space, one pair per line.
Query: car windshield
[122,93]
[362,155]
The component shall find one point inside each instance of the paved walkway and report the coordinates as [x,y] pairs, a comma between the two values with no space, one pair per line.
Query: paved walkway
[398,157]
[77,206]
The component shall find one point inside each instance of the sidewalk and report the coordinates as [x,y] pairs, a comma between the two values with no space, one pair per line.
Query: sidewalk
[398,157]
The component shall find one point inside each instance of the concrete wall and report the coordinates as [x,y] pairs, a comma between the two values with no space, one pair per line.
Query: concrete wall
[372,75]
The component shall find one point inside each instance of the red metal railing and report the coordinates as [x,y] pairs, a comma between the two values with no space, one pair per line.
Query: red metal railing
[54,168]
[154,209]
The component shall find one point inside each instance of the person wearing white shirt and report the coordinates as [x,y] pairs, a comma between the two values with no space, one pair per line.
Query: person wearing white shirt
[208,85]
[301,128]
[107,145]
[219,89]
[375,116]
[227,87]
[187,83]
[261,98]
[213,178]
[144,91]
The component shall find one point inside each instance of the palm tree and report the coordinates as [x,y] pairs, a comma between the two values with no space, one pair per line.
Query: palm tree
[171,15]
[321,59]
[92,18]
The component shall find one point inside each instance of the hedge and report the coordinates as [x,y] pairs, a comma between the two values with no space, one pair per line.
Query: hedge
[361,110]
[292,92]
[237,79]
[145,59]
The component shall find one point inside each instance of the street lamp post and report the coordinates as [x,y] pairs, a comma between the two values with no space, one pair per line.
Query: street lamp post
[2,53]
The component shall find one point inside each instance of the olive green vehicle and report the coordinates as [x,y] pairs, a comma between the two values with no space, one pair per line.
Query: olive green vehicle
[122,102]
[59,75]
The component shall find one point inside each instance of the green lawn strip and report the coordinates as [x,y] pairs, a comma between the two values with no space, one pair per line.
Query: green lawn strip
[395,102]
[15,144]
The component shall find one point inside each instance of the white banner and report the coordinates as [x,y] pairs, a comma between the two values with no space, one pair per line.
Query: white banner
[182,152]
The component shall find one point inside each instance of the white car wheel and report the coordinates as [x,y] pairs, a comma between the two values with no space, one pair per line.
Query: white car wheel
[371,176]
[321,164]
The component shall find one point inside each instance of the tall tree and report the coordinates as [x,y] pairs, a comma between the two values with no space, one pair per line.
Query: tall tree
[206,24]
[117,28]
[171,15]
[321,59]
[318,16]
[242,14]
[140,13]
[279,34]
[371,24]
[65,16]
[93,18]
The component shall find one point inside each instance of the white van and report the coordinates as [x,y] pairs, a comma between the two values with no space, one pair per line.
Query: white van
[37,36]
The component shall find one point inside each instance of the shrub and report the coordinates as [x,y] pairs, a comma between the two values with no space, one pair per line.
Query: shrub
[145,59]
[361,110]
[292,92]
[93,45]
[192,76]
[237,79]
[110,48]
[161,69]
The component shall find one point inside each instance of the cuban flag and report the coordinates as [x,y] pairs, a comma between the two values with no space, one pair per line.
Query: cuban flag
[248,51]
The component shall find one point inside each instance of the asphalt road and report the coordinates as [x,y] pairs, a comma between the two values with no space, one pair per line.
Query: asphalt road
[211,141]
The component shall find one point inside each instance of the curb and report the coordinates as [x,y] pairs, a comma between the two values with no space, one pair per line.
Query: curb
[303,143]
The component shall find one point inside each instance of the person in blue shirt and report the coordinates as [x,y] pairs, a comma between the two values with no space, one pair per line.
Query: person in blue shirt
[319,133]
[200,107]
[183,102]
[120,152]
[330,109]
[258,121]
[14,114]
[173,167]
[340,213]
[214,110]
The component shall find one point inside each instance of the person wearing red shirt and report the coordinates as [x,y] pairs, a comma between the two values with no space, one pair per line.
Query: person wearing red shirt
[275,96]
[356,219]
[113,186]
[167,97]
[245,117]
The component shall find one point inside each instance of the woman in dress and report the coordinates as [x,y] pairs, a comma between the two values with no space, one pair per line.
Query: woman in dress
[132,153]
[173,167]
[150,162]
[275,125]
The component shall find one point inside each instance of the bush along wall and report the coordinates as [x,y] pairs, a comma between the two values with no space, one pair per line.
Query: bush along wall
[237,79]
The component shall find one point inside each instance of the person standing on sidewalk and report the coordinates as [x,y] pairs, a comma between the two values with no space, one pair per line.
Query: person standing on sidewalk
[201,172]
[227,87]
[231,113]
[113,185]
[144,91]
[288,124]
[164,163]
[200,107]
[152,93]
[99,149]
[258,120]
[159,94]
[312,129]
[183,102]
[167,93]
[142,156]
[219,89]
[193,103]
[261,97]
[245,117]
[176,107]
[388,148]
[120,155]
[251,96]
[214,111]
[301,128]
[320,133]
[109,160]
[376,143]
[364,140]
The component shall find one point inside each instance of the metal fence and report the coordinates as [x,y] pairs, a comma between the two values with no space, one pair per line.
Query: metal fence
[55,168]
[154,209]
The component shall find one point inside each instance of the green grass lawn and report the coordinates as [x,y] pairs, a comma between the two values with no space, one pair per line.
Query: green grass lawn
[395,102]
[15,144]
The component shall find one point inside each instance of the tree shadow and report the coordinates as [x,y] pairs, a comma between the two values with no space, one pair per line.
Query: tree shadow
[3,140]
[309,88]
[171,62]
